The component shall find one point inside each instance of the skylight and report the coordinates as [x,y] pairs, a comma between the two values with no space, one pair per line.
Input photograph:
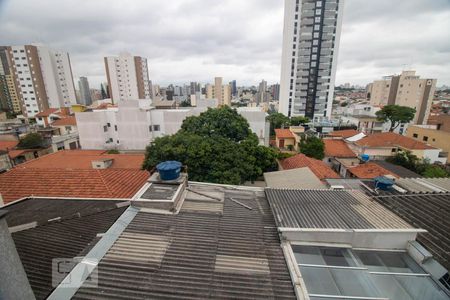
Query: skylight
[340,273]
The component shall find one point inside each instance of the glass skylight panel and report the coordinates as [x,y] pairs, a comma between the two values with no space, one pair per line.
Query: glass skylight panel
[339,273]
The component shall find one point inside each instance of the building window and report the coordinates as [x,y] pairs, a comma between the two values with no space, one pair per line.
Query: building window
[115,127]
[156,128]
[105,128]
[339,273]
[415,135]
[109,124]
[425,138]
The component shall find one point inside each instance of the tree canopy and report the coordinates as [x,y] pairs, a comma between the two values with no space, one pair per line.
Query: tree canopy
[278,120]
[223,122]
[217,146]
[313,147]
[423,167]
[296,121]
[396,115]
[31,141]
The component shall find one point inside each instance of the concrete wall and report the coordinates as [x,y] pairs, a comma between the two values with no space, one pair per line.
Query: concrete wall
[436,138]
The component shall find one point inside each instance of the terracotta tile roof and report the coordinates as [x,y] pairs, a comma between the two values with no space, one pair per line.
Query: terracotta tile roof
[81,159]
[46,112]
[390,139]
[65,122]
[105,106]
[284,134]
[109,183]
[318,167]
[7,145]
[344,133]
[337,148]
[14,153]
[369,170]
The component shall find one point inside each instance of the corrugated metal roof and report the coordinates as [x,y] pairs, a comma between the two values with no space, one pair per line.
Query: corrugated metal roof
[38,246]
[299,178]
[197,255]
[330,209]
[425,185]
[427,211]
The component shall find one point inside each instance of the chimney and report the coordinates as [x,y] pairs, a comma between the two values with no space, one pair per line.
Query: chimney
[14,282]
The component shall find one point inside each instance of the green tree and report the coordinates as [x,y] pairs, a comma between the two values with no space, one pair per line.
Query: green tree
[396,115]
[31,141]
[405,159]
[313,147]
[217,146]
[296,121]
[212,159]
[433,171]
[186,103]
[277,120]
[223,122]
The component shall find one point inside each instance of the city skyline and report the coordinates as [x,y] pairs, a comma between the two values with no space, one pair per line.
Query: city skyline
[247,49]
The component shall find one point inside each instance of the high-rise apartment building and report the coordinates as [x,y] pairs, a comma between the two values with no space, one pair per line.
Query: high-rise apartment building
[127,77]
[406,89]
[275,91]
[309,57]
[218,91]
[85,93]
[233,87]
[43,78]
[261,95]
[8,94]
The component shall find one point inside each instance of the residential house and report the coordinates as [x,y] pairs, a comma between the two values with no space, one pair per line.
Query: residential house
[435,135]
[74,173]
[382,145]
[285,139]
[368,170]
[67,137]
[318,167]
[338,155]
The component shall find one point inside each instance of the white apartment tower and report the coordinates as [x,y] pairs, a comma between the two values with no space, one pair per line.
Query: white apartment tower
[43,78]
[127,77]
[310,49]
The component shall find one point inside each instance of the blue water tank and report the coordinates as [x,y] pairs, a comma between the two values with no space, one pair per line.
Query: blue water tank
[383,183]
[365,157]
[169,170]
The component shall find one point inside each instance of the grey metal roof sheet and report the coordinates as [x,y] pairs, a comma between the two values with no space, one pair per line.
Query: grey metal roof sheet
[425,185]
[330,209]
[38,246]
[41,210]
[299,178]
[396,169]
[427,211]
[229,253]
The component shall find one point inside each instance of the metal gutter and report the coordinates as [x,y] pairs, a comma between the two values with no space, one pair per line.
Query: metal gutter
[75,279]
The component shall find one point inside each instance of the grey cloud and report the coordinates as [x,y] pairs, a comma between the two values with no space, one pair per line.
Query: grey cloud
[187,40]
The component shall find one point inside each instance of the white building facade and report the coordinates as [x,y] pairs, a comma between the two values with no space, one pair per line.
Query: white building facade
[135,123]
[43,78]
[127,77]
[310,49]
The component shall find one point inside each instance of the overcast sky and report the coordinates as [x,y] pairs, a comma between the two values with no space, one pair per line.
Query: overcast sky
[195,40]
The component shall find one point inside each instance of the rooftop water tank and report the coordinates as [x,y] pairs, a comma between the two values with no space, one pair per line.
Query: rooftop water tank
[169,170]
[383,183]
[365,157]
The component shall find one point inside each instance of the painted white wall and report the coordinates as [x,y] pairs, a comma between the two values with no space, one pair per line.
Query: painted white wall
[134,118]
